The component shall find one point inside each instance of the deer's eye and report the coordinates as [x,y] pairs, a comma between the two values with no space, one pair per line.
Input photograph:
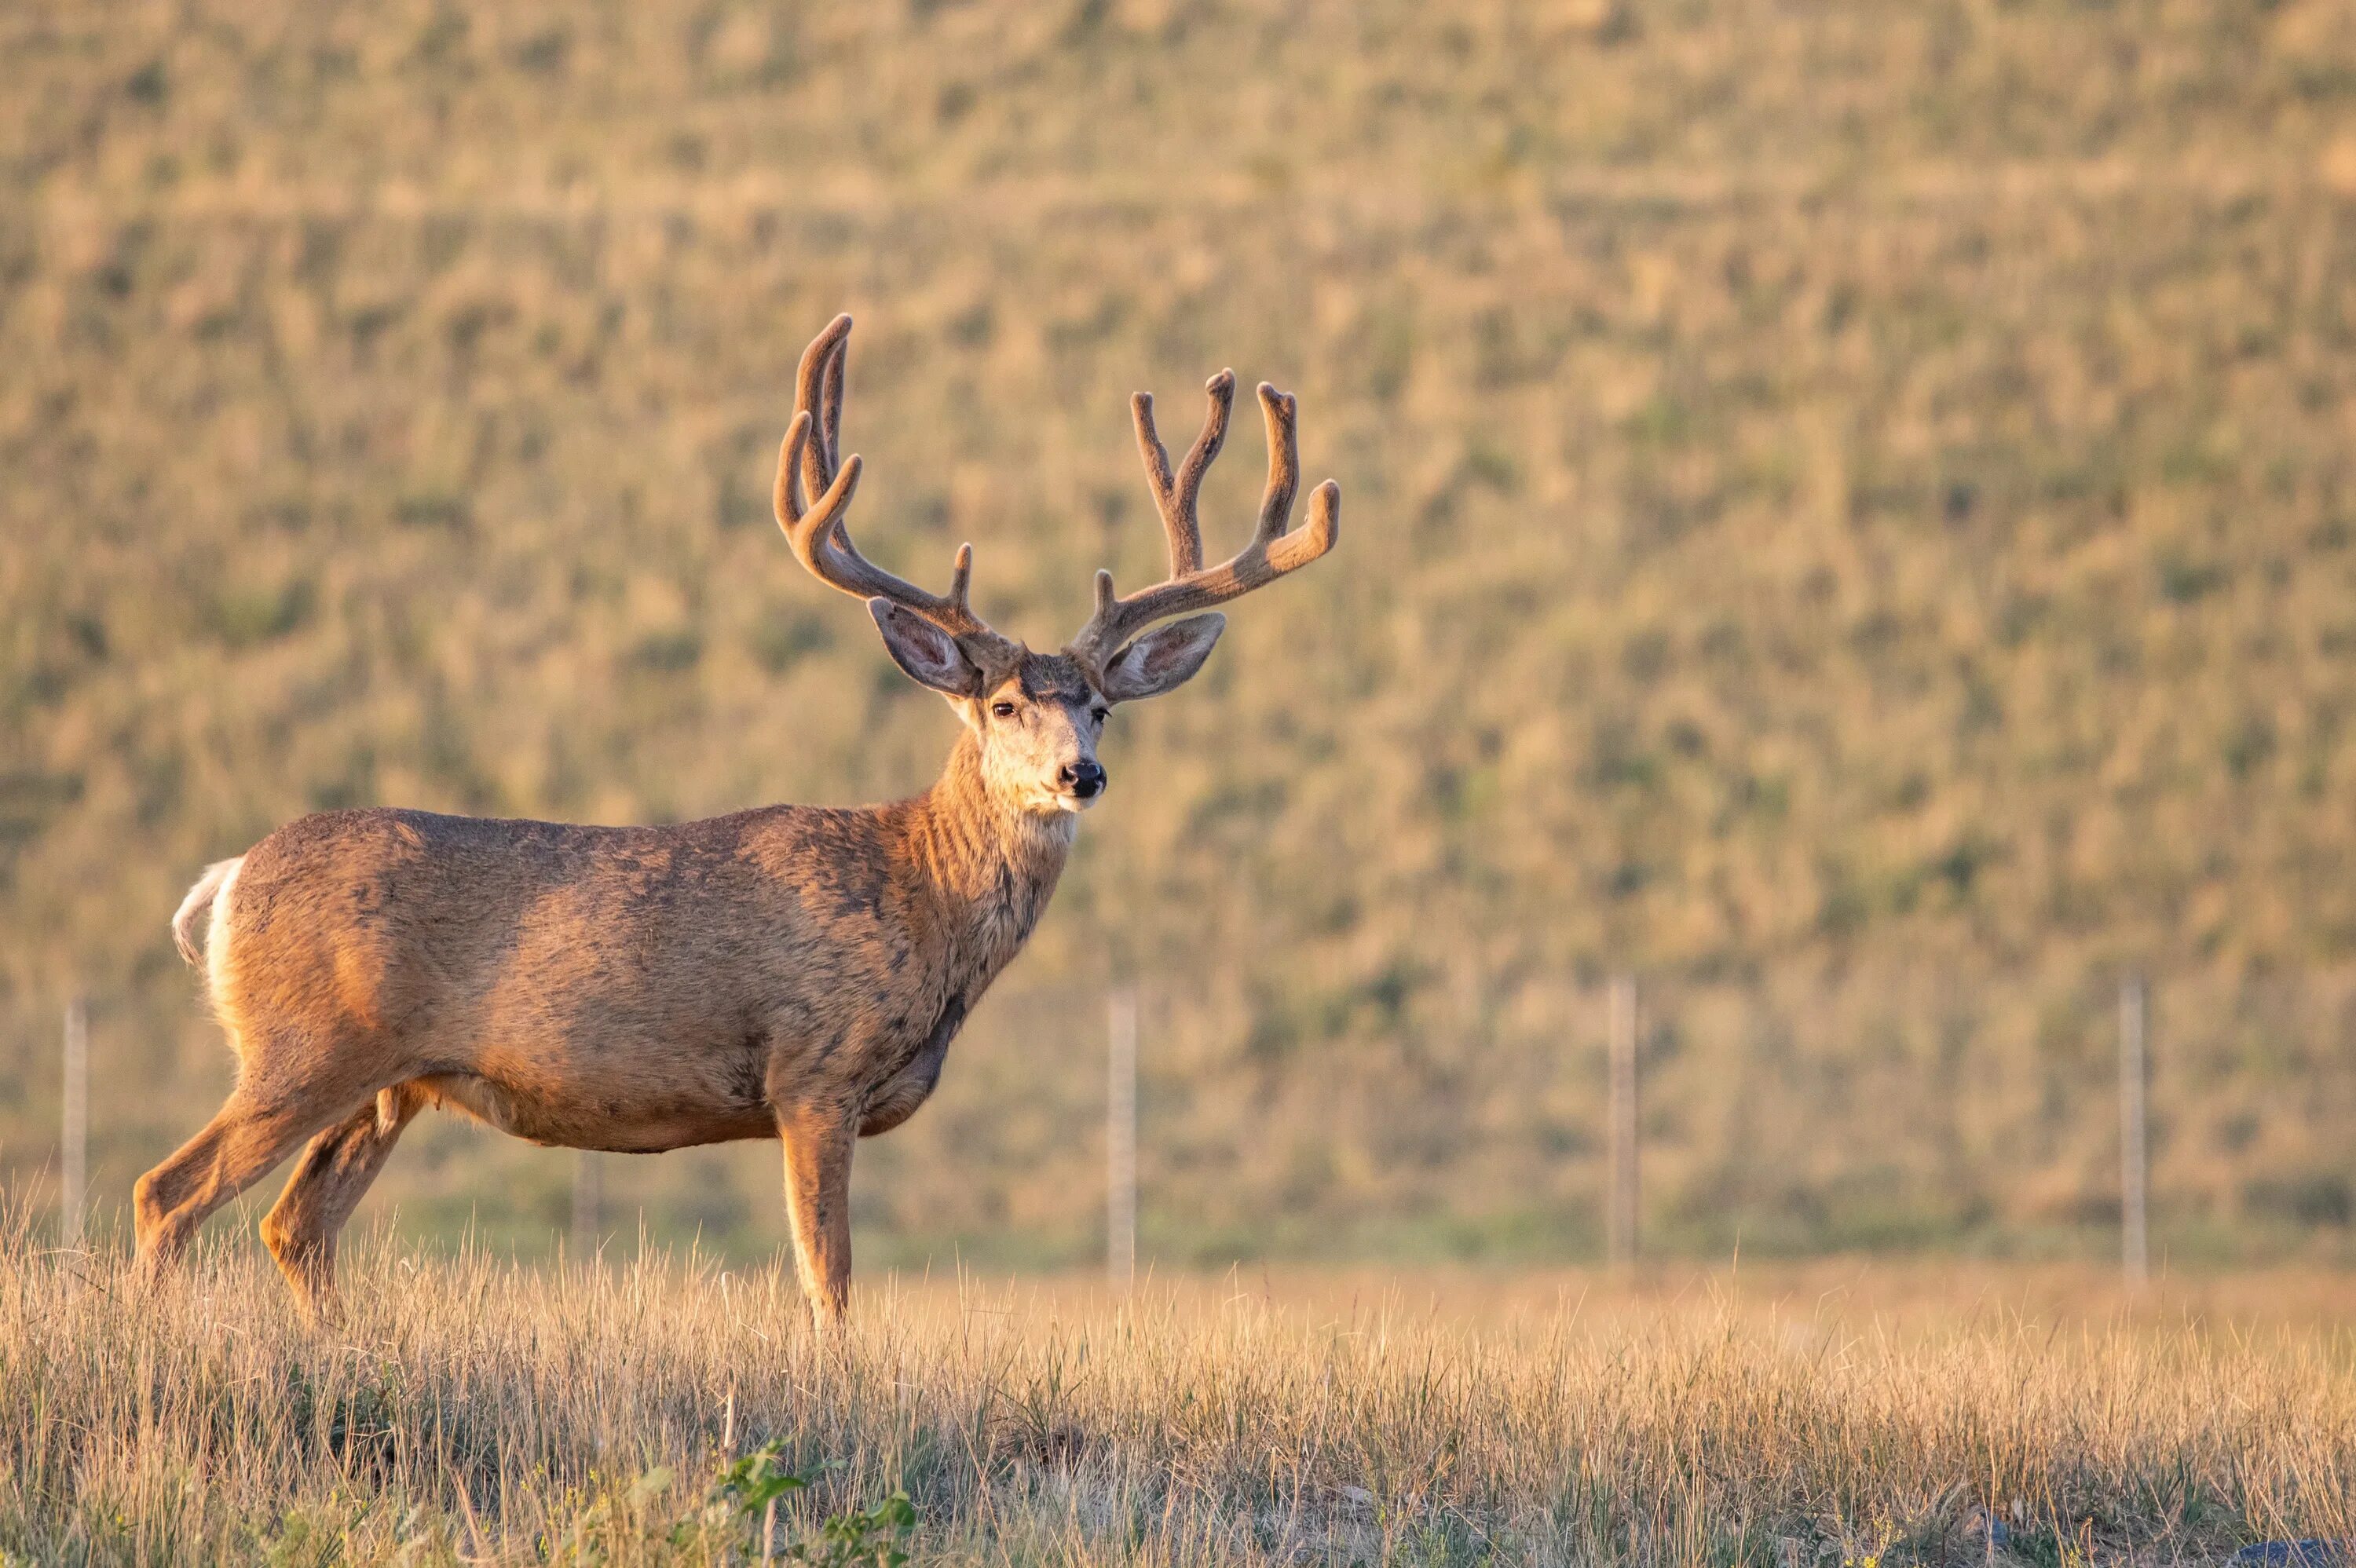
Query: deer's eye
[1100,714]
[1003,710]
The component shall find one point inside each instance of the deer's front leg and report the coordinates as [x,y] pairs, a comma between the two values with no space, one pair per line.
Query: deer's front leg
[819,1141]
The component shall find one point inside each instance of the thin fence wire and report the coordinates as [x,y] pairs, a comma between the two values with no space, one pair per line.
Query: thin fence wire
[1779,1113]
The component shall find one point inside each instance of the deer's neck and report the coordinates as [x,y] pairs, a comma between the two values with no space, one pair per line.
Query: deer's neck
[994,865]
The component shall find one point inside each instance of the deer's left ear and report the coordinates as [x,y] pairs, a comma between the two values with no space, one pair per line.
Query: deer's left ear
[928,653]
[1162,659]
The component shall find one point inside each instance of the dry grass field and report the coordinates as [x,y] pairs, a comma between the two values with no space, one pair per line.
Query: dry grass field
[1835,1415]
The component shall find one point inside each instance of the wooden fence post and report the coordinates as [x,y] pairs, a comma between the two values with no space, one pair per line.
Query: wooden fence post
[1120,1139]
[73,1164]
[2134,1149]
[1620,1219]
[588,1206]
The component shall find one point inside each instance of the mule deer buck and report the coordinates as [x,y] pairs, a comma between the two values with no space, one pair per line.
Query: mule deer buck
[792,972]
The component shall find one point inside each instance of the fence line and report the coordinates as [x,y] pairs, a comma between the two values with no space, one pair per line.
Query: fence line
[1647,1026]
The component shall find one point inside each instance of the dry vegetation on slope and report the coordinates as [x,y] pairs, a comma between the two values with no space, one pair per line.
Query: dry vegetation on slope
[1845,500]
[471,1411]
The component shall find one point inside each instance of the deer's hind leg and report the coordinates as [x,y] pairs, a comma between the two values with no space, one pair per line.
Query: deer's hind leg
[261,1122]
[246,1137]
[330,1178]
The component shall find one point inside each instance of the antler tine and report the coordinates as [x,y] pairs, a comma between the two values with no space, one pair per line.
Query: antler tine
[1272,552]
[1279,409]
[1157,473]
[815,530]
[831,412]
[817,391]
[1175,497]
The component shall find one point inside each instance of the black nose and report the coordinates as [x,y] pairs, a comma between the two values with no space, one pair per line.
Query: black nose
[1086,780]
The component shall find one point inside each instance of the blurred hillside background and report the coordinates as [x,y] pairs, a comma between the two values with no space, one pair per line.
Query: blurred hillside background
[1849,514]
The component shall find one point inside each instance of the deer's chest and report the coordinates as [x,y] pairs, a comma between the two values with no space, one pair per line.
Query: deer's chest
[910,1082]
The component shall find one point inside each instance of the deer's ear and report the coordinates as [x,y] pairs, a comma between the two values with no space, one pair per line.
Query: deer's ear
[1162,659]
[928,653]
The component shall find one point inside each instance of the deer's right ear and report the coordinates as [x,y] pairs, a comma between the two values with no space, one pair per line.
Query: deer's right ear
[1162,659]
[929,655]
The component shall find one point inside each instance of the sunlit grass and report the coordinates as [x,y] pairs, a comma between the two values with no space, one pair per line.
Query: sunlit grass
[470,1409]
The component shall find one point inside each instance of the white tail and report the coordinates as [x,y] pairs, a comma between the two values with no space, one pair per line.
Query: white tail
[200,899]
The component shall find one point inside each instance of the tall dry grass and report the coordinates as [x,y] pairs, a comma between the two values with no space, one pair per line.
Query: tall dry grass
[470,1410]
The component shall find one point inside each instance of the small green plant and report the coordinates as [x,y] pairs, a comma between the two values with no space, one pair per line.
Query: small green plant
[750,1485]
[745,1494]
[855,1540]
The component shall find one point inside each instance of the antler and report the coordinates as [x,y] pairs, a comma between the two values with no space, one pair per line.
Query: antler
[1272,552]
[821,540]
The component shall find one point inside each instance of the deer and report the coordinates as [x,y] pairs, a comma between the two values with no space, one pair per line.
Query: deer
[789,971]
